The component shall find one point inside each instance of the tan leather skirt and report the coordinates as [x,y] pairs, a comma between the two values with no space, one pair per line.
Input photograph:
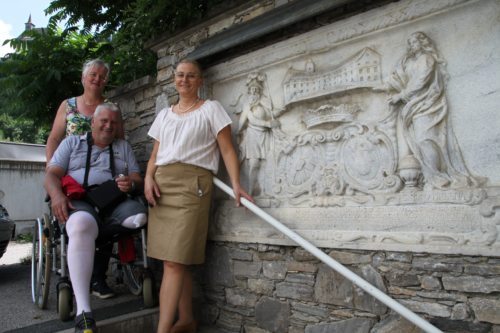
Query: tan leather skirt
[178,224]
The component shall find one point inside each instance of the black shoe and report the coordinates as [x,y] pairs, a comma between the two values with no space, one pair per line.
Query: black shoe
[85,323]
[101,290]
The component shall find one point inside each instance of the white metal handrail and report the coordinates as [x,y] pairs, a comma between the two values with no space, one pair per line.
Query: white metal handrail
[332,263]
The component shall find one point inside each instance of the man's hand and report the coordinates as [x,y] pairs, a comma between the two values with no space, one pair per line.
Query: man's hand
[60,205]
[125,183]
[59,202]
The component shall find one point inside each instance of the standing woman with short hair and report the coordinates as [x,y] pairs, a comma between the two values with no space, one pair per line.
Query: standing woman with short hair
[189,139]
[74,114]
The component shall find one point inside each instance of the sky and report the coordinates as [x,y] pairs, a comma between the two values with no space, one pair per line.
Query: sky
[15,13]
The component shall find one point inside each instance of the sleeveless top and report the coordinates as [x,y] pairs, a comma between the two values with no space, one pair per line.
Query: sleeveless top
[76,122]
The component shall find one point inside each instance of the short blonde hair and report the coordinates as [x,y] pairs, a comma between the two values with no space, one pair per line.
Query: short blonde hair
[97,63]
[192,62]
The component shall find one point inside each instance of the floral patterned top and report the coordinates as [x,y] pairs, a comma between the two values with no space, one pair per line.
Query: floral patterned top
[76,122]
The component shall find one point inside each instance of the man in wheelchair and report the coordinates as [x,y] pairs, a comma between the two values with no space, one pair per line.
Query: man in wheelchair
[92,159]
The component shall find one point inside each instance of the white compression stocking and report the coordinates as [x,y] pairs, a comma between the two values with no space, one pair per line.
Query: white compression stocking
[82,231]
[135,221]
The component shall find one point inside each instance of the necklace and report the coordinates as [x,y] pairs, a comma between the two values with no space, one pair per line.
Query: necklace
[88,104]
[179,110]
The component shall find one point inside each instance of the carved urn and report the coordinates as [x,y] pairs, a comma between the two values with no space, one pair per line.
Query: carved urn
[410,171]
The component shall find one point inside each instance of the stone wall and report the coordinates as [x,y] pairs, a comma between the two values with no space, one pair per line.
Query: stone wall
[266,288]
[343,166]
[138,101]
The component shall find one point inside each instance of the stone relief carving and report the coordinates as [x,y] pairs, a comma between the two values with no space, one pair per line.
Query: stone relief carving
[342,113]
[447,229]
[418,87]
[257,119]
[409,11]
[344,168]
[353,157]
[488,232]
[362,70]
[340,157]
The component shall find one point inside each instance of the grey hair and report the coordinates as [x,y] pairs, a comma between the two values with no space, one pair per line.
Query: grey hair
[107,106]
[95,62]
[192,62]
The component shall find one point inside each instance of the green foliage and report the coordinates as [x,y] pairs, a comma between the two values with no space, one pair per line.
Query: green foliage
[104,20]
[25,238]
[46,66]
[44,70]
[128,25]
[22,130]
[103,17]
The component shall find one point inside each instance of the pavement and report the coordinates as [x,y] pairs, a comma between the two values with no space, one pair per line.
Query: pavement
[19,314]
[122,313]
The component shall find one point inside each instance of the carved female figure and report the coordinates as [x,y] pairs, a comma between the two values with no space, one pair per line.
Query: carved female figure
[419,85]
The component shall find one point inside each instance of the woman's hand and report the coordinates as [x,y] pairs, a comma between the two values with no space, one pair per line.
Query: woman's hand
[151,190]
[239,193]
[232,164]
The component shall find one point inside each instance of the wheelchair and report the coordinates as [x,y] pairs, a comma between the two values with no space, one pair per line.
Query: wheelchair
[49,250]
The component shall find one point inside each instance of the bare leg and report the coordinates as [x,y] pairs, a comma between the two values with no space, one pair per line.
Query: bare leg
[186,300]
[170,294]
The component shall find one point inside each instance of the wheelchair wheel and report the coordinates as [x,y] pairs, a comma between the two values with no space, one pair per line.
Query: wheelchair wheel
[41,260]
[35,259]
[133,278]
[64,301]
[148,295]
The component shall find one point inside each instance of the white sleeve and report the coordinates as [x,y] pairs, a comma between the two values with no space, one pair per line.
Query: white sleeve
[155,129]
[218,118]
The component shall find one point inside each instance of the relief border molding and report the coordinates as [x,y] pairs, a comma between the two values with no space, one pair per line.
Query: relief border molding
[338,32]
[466,230]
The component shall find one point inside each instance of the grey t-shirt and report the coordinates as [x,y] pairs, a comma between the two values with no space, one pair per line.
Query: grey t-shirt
[71,155]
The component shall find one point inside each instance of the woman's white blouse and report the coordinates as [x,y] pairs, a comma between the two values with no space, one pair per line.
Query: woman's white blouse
[191,137]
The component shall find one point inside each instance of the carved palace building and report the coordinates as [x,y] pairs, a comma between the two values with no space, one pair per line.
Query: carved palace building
[362,70]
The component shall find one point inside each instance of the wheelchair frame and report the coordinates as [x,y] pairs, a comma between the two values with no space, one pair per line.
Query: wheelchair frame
[47,238]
